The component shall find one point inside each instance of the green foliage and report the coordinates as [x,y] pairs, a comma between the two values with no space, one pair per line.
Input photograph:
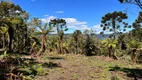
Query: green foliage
[122,41]
[135,34]
[89,46]
[135,2]
[4,55]
[3,29]
[77,35]
[19,35]
[60,25]
[104,50]
[39,69]
[12,17]
[111,22]
[72,45]
[110,43]
[52,42]
[75,76]
[134,44]
[30,69]
[86,44]
[138,21]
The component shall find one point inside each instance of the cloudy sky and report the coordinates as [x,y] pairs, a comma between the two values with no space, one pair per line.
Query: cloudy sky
[79,14]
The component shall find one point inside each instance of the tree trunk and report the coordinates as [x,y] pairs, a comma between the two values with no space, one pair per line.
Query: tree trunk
[43,43]
[110,52]
[4,41]
[59,47]
[77,47]
[133,57]
[11,34]
[26,40]
[40,53]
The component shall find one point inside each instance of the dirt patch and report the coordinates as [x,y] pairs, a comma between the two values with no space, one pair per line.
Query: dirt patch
[104,58]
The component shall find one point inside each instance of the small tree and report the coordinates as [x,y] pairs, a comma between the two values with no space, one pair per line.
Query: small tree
[111,45]
[76,35]
[46,29]
[89,45]
[4,33]
[113,21]
[136,33]
[60,24]
[42,29]
[12,15]
[138,21]
[134,45]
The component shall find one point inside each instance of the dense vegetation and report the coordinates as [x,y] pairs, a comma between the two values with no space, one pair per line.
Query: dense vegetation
[25,42]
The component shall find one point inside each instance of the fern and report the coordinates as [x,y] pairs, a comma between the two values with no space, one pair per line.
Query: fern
[4,54]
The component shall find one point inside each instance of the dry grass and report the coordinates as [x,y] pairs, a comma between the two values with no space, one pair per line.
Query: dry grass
[79,67]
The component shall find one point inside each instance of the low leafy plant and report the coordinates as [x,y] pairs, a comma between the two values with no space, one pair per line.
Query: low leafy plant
[75,76]
[4,54]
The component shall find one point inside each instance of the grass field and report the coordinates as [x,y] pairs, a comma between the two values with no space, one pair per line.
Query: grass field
[79,67]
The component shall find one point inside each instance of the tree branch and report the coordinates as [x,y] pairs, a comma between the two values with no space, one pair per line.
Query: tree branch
[138,3]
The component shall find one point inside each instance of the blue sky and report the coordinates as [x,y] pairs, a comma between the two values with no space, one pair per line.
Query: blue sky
[79,14]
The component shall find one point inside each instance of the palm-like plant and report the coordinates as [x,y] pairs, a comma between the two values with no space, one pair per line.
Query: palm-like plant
[111,45]
[18,27]
[44,30]
[7,23]
[60,24]
[134,45]
[9,15]
[4,32]
[76,35]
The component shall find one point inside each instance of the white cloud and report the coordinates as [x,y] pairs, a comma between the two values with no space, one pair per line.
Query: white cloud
[99,29]
[71,22]
[17,11]
[75,24]
[46,15]
[108,32]
[46,20]
[60,12]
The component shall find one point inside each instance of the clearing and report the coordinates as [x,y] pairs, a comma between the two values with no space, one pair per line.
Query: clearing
[79,67]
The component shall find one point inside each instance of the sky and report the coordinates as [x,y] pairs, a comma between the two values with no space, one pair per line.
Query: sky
[79,14]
